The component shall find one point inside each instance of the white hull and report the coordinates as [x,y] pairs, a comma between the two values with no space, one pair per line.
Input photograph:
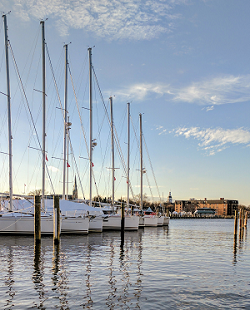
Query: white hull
[24,225]
[160,220]
[96,224]
[113,222]
[75,225]
[166,220]
[150,220]
[141,221]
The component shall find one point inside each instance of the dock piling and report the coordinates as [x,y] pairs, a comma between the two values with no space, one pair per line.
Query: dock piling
[122,222]
[56,219]
[37,219]
[246,215]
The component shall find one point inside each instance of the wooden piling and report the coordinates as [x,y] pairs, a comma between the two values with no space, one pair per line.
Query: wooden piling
[37,219]
[56,220]
[122,223]
[246,215]
[235,223]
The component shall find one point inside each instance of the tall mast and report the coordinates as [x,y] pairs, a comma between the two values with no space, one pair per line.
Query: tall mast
[90,124]
[44,113]
[9,110]
[112,151]
[67,138]
[65,120]
[140,117]
[128,155]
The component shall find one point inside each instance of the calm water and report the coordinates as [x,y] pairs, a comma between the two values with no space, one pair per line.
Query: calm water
[193,264]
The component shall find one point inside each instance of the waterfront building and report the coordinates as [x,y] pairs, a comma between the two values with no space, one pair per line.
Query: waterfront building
[222,207]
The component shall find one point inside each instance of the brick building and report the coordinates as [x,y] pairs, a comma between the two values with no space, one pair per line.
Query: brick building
[221,206]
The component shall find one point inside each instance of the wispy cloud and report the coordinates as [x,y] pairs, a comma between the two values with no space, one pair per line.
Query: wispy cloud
[216,91]
[142,91]
[53,169]
[220,90]
[215,140]
[130,19]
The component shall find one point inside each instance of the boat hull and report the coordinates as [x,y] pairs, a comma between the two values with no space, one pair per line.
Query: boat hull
[150,221]
[113,222]
[166,220]
[24,225]
[96,224]
[160,220]
[75,225]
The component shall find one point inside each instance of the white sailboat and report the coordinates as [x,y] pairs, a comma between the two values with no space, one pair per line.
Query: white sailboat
[15,220]
[75,219]
[113,220]
[148,217]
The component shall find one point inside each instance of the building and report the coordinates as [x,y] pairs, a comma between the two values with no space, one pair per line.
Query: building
[186,205]
[221,206]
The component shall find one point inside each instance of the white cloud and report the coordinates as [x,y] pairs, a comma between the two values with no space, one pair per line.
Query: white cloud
[142,91]
[220,90]
[130,19]
[215,140]
[53,169]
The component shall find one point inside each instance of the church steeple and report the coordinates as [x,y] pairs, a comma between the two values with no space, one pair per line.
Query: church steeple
[170,200]
[75,191]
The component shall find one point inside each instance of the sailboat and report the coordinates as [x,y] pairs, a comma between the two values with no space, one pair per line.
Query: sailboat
[113,220]
[17,216]
[148,217]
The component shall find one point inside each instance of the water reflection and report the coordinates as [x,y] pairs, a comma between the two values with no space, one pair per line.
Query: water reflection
[152,266]
[37,276]
[110,301]
[61,277]
[138,284]
[9,280]
[89,302]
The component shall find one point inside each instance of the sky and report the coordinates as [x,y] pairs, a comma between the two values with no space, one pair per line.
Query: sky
[183,64]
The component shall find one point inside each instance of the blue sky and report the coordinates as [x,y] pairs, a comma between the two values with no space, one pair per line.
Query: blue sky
[183,64]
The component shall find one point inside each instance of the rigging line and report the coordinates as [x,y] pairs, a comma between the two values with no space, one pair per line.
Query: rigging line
[27,103]
[79,114]
[152,168]
[104,158]
[82,126]
[149,187]
[53,75]
[117,143]
[31,60]
[71,148]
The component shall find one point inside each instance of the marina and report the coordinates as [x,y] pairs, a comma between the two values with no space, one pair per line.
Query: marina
[192,264]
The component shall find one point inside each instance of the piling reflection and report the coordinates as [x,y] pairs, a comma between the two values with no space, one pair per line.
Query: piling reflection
[110,301]
[125,281]
[89,302]
[138,283]
[60,277]
[38,273]
[9,280]
[55,265]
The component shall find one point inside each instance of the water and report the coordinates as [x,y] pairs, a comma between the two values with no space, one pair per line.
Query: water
[193,264]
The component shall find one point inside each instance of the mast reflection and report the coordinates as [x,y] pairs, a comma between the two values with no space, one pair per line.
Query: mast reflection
[38,273]
[9,281]
[112,281]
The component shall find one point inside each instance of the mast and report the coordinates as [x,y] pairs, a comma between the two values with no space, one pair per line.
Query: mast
[90,124]
[9,111]
[140,118]
[65,120]
[67,138]
[112,151]
[128,155]
[44,113]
